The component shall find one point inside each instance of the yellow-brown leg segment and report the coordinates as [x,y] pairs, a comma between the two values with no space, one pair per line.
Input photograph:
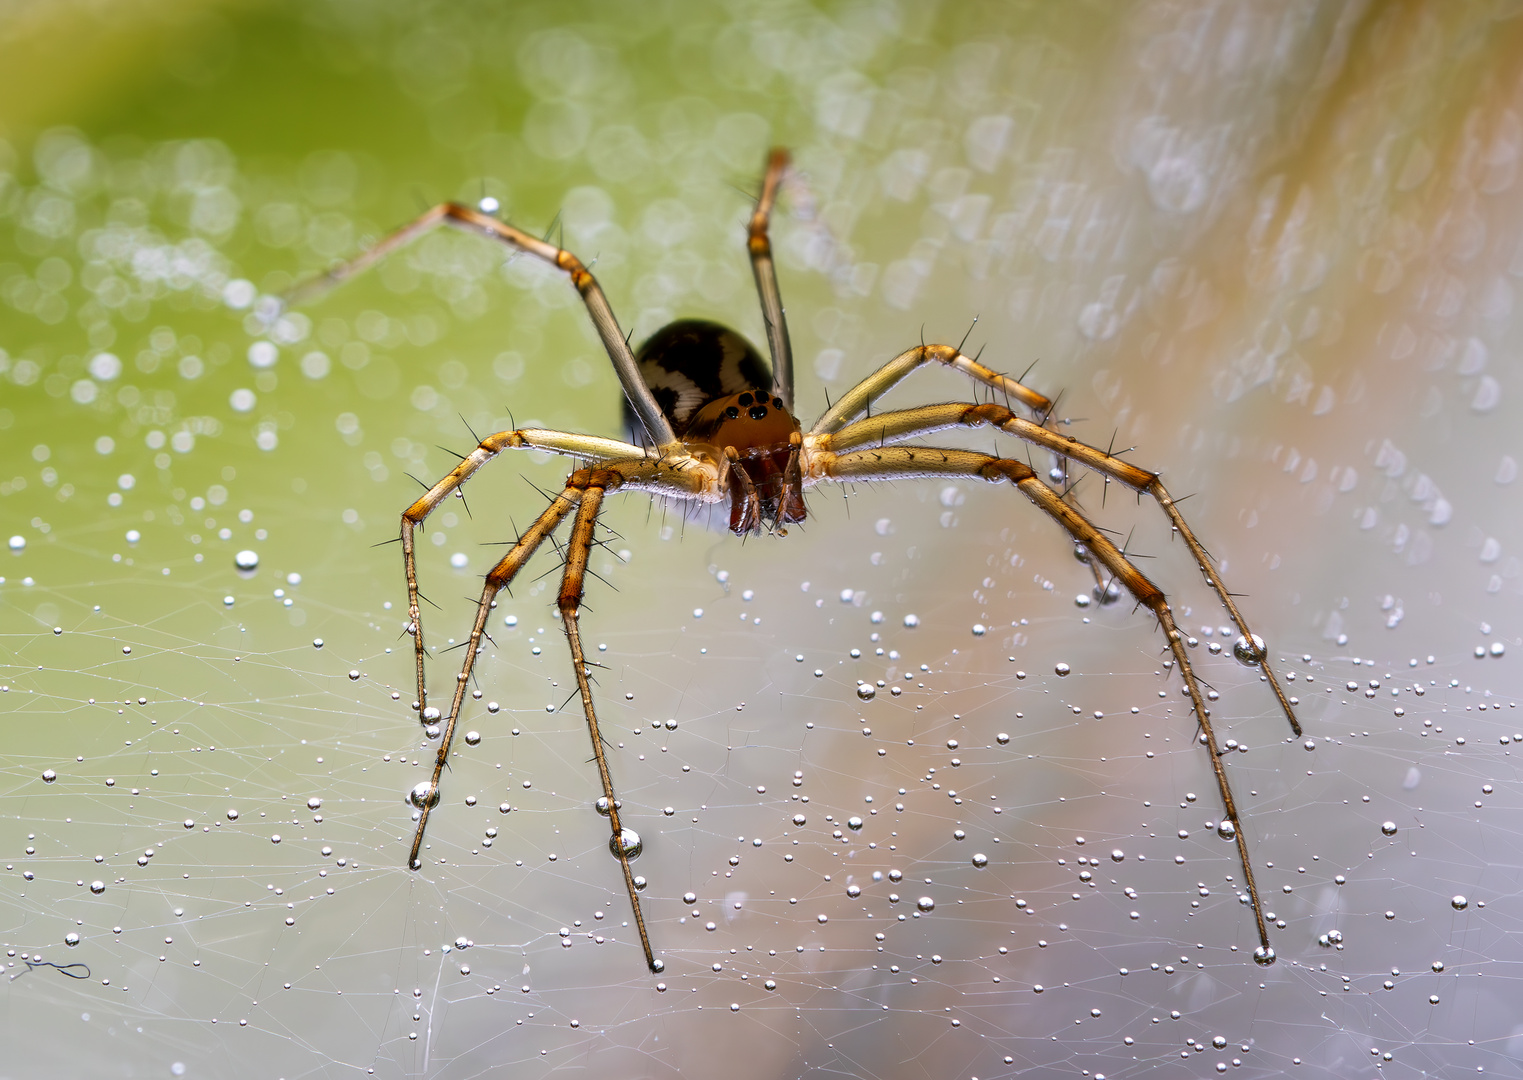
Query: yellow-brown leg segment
[759,244]
[891,427]
[578,549]
[584,446]
[426,796]
[899,462]
[856,401]
[470,220]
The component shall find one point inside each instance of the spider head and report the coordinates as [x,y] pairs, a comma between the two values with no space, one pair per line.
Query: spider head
[759,440]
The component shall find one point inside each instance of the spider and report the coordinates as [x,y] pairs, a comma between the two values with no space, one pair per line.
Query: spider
[719,428]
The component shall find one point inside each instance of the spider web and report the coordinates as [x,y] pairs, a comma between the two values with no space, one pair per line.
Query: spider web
[811,733]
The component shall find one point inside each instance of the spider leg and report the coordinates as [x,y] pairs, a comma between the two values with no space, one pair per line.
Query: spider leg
[759,244]
[469,220]
[572,588]
[856,401]
[587,447]
[891,427]
[499,577]
[583,491]
[925,461]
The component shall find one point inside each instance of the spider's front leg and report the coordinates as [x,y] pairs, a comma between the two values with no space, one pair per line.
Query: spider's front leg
[624,843]
[426,795]
[584,493]
[587,447]
[900,462]
[895,426]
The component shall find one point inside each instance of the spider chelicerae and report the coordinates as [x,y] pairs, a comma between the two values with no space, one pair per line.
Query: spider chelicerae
[719,428]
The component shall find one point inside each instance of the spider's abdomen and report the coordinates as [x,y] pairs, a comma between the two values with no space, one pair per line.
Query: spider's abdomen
[692,362]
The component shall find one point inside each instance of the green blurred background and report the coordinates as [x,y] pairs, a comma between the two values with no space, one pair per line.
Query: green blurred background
[1272,246]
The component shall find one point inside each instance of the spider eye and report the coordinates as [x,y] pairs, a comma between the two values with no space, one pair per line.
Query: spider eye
[743,400]
[732,412]
[758,411]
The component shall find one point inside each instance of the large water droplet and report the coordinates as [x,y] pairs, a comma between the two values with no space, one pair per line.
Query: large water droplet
[627,843]
[1388,828]
[424,795]
[926,904]
[1263,956]
[866,691]
[246,560]
[1061,669]
[97,887]
[1250,653]
[980,860]
[1459,903]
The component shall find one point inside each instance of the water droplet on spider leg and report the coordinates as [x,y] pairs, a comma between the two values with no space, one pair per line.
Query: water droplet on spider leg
[1226,830]
[1263,956]
[602,805]
[1249,652]
[424,795]
[627,843]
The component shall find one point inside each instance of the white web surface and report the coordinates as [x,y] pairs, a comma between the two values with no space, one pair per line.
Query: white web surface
[1342,417]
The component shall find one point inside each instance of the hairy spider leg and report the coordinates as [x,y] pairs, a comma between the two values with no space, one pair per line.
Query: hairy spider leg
[587,447]
[583,492]
[759,244]
[572,588]
[895,426]
[463,217]
[889,463]
[497,579]
[856,401]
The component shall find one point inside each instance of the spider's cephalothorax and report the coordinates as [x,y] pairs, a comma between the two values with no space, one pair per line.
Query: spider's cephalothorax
[715,422]
[717,392]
